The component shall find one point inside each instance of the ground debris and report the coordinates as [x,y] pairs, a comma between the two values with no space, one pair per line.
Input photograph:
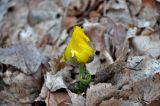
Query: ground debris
[125,36]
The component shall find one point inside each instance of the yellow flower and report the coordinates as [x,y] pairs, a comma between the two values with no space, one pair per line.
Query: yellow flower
[78,48]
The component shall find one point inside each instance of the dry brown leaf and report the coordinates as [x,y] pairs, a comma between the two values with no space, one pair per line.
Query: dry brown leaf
[108,71]
[44,10]
[115,38]
[97,93]
[43,94]
[57,81]
[69,22]
[148,15]
[106,34]
[58,98]
[119,41]
[135,6]
[111,102]
[25,57]
[93,66]
[146,90]
[134,61]
[77,7]
[94,14]
[45,19]
[77,100]
[106,57]
[116,102]
[96,32]
[142,67]
[21,89]
[143,45]
[118,12]
[10,27]
[54,83]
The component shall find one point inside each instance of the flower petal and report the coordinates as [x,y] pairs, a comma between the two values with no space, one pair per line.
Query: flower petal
[79,47]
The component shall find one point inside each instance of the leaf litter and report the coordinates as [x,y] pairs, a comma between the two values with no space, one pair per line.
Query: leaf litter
[126,65]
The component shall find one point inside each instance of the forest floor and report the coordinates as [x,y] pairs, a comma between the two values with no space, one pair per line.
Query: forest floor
[125,70]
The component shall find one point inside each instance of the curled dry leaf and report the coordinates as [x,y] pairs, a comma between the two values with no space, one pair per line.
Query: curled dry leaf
[146,90]
[148,15]
[134,61]
[69,22]
[97,93]
[77,100]
[25,57]
[58,98]
[57,81]
[54,82]
[45,18]
[106,56]
[107,35]
[116,102]
[43,11]
[10,27]
[115,38]
[96,32]
[135,6]
[143,45]
[77,7]
[118,12]
[107,71]
[111,102]
[119,41]
[142,67]
[93,66]
[43,93]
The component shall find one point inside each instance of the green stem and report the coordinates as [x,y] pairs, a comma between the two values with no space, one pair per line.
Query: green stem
[82,70]
[85,77]
[84,80]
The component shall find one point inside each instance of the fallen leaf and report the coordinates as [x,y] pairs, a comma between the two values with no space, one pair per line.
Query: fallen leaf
[114,38]
[77,7]
[10,27]
[135,6]
[118,8]
[116,102]
[147,90]
[77,100]
[43,93]
[97,93]
[148,15]
[57,81]
[112,102]
[143,45]
[94,14]
[108,71]
[21,89]
[69,22]
[58,98]
[25,57]
[96,32]
[43,11]
[93,66]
